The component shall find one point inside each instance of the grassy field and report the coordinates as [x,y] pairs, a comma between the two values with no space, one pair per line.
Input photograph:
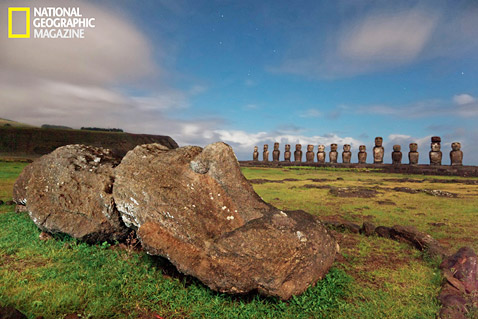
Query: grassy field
[372,277]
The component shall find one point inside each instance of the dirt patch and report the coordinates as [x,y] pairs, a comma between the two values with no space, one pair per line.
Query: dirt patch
[437,224]
[263,181]
[453,181]
[403,180]
[360,192]
[317,186]
[320,180]
[432,192]
[386,202]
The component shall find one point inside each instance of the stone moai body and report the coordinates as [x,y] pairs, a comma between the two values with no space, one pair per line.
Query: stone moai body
[362,154]
[321,154]
[276,153]
[435,153]
[456,155]
[378,151]
[413,154]
[346,154]
[309,156]
[397,154]
[333,153]
[255,154]
[287,153]
[265,153]
[298,153]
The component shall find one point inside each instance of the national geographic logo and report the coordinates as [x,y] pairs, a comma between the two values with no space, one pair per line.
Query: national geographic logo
[48,23]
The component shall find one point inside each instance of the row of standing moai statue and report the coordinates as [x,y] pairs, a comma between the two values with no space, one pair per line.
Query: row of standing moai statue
[456,155]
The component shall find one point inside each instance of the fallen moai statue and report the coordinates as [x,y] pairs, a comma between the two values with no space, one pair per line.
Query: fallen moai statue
[192,206]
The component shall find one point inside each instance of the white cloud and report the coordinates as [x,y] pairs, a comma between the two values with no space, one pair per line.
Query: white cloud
[462,99]
[310,113]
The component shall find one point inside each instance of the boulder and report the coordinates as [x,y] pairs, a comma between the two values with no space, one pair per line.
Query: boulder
[464,266]
[194,207]
[21,185]
[70,191]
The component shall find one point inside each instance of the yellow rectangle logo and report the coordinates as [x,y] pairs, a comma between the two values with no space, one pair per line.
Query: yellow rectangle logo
[10,22]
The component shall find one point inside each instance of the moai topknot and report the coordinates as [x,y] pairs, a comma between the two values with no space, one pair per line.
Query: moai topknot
[362,154]
[298,153]
[265,154]
[456,155]
[413,154]
[309,156]
[346,154]
[397,154]
[287,153]
[276,152]
[321,154]
[255,155]
[378,151]
[333,153]
[435,153]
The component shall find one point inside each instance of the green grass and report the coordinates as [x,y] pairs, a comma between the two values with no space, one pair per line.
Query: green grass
[371,278]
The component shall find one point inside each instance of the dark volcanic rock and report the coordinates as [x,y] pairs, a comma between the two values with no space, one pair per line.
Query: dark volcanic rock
[383,231]
[368,229]
[464,264]
[11,313]
[70,191]
[194,207]
[417,239]
[353,192]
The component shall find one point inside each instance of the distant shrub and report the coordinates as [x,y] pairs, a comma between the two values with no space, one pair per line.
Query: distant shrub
[102,129]
[57,127]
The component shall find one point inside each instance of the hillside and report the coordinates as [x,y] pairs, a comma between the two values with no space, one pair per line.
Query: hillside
[5,122]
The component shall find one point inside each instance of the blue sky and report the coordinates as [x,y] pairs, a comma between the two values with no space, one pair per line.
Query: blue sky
[255,72]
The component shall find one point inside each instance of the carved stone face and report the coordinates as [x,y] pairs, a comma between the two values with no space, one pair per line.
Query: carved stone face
[256,148]
[298,147]
[378,141]
[397,148]
[456,146]
[321,148]
[435,147]
[347,147]
[413,147]
[276,146]
[287,147]
[310,148]
[266,147]
[333,147]
[362,148]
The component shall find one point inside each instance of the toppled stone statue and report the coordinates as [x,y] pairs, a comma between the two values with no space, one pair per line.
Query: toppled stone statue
[362,154]
[265,153]
[346,154]
[255,154]
[456,155]
[298,153]
[321,154]
[194,207]
[276,152]
[435,153]
[70,191]
[378,151]
[333,154]
[309,156]
[413,154]
[287,153]
[397,154]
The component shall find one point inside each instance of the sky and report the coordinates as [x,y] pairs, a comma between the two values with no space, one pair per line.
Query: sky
[254,72]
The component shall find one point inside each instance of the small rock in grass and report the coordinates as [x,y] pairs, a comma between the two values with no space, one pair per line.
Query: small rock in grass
[368,229]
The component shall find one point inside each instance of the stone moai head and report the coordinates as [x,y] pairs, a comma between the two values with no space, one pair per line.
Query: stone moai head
[298,147]
[397,148]
[256,149]
[321,148]
[347,147]
[287,147]
[276,146]
[333,147]
[378,141]
[436,147]
[266,147]
[310,148]
[362,148]
[413,147]
[456,146]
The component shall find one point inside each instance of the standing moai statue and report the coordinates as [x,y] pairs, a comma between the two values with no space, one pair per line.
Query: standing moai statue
[255,154]
[298,153]
[413,154]
[346,154]
[287,153]
[456,155]
[378,151]
[321,154]
[397,154]
[276,153]
[333,153]
[435,153]
[362,154]
[265,154]
[309,156]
